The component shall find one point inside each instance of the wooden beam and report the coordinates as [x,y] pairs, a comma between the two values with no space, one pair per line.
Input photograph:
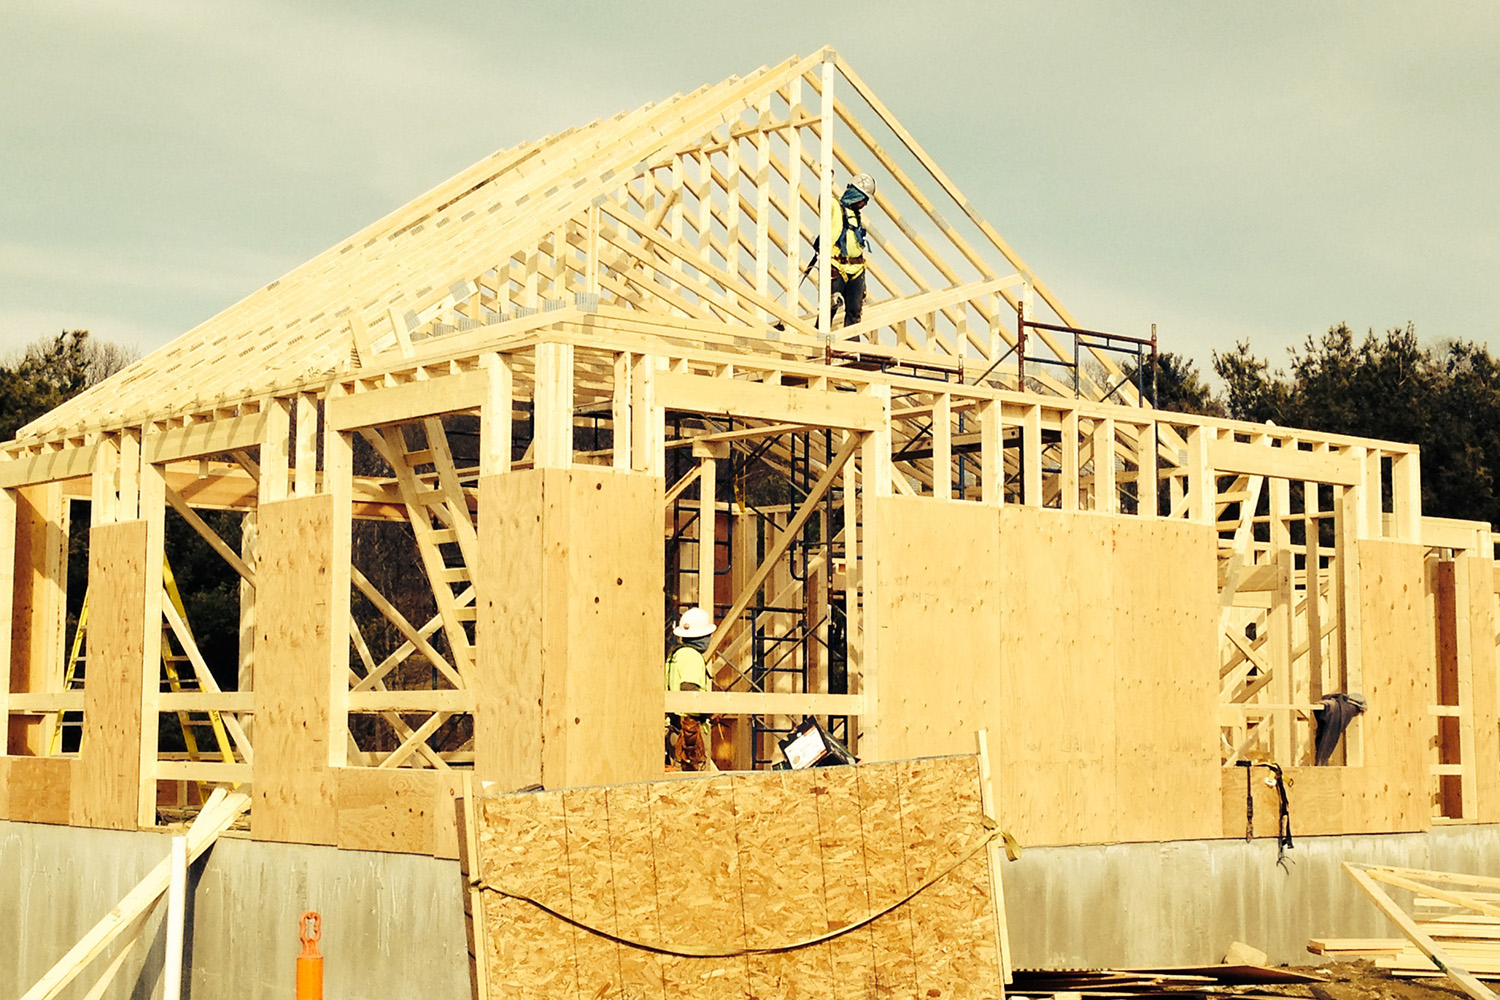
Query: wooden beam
[761,401]
[401,404]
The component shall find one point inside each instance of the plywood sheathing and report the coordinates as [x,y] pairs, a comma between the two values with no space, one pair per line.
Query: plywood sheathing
[1392,791]
[295,633]
[1083,642]
[743,861]
[1480,606]
[108,789]
[569,601]
[40,576]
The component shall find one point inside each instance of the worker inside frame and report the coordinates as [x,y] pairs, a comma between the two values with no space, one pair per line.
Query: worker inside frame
[846,267]
[688,736]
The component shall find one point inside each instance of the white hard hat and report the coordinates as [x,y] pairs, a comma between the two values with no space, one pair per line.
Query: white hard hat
[695,623]
[865,183]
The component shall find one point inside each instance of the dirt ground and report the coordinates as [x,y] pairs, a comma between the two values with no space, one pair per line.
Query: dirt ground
[1361,981]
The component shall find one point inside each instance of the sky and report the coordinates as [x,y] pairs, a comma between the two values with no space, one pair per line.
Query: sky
[1228,171]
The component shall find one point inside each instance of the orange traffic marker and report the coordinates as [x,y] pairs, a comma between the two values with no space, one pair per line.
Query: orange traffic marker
[310,962]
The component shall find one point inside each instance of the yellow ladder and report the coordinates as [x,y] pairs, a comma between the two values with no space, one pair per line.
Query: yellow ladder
[171,660]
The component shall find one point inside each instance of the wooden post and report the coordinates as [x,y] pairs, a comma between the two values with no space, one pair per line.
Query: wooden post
[1105,496]
[306,470]
[826,204]
[1145,478]
[1067,477]
[707,517]
[942,447]
[1406,496]
[495,417]
[7,603]
[274,458]
[991,454]
[1031,450]
[552,401]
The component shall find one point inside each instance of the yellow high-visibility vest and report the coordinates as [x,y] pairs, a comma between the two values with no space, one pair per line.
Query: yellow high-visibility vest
[686,665]
[848,247]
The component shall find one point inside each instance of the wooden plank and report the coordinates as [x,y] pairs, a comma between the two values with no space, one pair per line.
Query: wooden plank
[841,849]
[782,892]
[591,891]
[953,930]
[1484,691]
[523,848]
[704,892]
[1416,936]
[761,401]
[887,879]
[295,792]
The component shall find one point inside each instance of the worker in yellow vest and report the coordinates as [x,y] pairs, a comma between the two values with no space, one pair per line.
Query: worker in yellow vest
[687,670]
[847,263]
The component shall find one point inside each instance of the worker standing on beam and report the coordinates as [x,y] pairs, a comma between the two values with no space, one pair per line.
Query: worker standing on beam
[687,670]
[846,268]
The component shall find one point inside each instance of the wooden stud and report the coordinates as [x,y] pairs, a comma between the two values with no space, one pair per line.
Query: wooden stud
[274,457]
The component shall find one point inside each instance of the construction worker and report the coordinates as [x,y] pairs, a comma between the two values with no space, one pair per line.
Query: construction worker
[687,670]
[846,268]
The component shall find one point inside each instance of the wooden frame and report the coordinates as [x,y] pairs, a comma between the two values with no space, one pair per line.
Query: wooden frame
[609,333]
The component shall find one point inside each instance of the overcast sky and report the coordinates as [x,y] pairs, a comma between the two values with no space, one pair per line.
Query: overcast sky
[1257,170]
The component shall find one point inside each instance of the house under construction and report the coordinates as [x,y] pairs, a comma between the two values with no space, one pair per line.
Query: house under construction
[583,386]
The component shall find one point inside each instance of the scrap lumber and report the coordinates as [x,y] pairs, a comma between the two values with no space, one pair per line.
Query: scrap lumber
[128,915]
[1424,883]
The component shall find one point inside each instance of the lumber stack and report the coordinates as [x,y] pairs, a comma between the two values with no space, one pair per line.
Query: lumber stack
[1451,927]
[1182,983]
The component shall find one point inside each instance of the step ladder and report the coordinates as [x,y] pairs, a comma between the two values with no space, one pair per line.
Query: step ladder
[178,674]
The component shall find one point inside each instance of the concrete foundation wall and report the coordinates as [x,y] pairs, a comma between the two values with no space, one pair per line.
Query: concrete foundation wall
[1184,902]
[393,924]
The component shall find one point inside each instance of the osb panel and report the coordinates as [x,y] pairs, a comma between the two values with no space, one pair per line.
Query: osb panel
[38,788]
[741,860]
